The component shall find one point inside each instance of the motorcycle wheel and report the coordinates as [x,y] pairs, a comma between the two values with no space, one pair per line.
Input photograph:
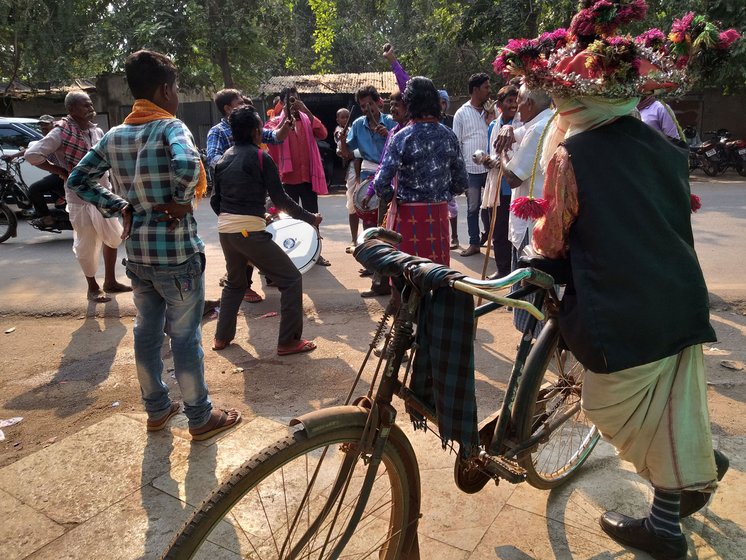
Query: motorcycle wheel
[741,170]
[710,168]
[8,223]
[21,197]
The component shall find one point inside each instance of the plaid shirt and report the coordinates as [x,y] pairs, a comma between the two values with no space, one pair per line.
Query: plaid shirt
[150,164]
[220,138]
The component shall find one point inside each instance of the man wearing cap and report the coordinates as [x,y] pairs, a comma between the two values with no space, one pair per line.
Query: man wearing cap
[52,183]
[446,119]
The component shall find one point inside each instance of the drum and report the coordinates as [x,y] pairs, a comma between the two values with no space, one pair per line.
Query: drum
[299,240]
[367,215]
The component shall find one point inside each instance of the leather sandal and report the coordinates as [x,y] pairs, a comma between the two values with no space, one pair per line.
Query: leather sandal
[160,423]
[220,420]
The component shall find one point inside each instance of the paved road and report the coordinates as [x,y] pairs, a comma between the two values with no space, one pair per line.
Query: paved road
[39,274]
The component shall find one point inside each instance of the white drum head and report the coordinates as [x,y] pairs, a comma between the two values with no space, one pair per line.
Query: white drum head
[299,240]
[360,194]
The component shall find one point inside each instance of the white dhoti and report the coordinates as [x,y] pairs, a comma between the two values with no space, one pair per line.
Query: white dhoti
[657,418]
[350,183]
[90,231]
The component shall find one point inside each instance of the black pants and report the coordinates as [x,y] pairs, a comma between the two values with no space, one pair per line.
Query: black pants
[259,249]
[303,194]
[52,184]
[500,242]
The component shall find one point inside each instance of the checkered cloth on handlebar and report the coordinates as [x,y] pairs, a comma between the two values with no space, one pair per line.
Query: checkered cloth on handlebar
[443,369]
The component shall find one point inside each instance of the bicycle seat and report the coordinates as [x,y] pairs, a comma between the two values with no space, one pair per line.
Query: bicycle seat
[559,269]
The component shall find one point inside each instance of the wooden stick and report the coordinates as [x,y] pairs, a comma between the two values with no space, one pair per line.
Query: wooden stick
[493,219]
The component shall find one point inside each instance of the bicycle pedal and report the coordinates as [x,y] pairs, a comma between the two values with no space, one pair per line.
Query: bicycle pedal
[504,468]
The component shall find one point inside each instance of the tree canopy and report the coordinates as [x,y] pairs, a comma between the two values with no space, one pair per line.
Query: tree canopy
[231,43]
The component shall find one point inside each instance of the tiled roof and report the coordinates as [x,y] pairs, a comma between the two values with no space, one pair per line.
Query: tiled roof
[384,82]
[19,89]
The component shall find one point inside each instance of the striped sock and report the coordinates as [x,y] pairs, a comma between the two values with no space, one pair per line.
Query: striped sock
[664,519]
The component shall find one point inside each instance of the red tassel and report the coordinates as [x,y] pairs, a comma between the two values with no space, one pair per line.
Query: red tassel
[695,202]
[272,210]
[529,208]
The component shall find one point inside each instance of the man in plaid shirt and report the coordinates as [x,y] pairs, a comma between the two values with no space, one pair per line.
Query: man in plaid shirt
[153,162]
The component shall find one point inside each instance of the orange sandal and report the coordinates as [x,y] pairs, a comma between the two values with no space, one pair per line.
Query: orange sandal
[300,347]
[251,296]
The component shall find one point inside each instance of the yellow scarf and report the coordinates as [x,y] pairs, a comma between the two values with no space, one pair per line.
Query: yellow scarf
[144,111]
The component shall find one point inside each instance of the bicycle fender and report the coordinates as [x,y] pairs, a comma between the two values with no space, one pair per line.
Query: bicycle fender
[328,419]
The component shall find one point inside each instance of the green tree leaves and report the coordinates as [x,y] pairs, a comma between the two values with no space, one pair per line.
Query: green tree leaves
[217,43]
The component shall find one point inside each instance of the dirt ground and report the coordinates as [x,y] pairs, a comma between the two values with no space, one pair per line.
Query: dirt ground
[62,374]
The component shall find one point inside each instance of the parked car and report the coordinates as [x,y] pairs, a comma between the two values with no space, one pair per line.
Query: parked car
[16,133]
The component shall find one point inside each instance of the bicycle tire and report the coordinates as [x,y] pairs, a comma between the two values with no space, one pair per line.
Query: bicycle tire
[551,387]
[8,222]
[403,476]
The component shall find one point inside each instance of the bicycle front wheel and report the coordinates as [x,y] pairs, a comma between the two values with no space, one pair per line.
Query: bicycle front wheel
[295,498]
[547,408]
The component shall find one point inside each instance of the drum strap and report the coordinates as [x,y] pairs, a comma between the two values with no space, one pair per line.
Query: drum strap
[260,154]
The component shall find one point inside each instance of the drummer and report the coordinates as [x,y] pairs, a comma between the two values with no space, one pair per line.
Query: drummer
[368,133]
[243,178]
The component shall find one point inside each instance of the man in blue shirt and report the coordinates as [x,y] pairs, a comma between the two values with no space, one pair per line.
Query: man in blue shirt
[368,133]
[220,138]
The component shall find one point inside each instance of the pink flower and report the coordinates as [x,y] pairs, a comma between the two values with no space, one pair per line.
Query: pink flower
[499,64]
[583,24]
[727,38]
[652,37]
[683,25]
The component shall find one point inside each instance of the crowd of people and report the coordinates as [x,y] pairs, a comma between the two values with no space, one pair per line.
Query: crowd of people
[623,230]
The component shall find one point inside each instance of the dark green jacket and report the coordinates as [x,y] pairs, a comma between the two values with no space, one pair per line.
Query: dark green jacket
[638,293]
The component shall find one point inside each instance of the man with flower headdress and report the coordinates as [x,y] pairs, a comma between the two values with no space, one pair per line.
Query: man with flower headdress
[635,311]
[156,167]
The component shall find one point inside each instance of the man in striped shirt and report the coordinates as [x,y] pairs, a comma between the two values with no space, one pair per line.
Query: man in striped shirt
[470,126]
[155,165]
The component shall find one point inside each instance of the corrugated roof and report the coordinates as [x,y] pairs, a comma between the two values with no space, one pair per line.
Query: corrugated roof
[19,89]
[384,82]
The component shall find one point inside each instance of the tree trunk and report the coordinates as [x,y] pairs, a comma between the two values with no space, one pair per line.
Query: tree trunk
[225,67]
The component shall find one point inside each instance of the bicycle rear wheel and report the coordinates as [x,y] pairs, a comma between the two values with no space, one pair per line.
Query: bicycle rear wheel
[8,222]
[548,405]
[280,505]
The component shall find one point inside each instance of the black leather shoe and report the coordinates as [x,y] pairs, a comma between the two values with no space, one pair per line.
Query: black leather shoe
[692,500]
[375,293]
[632,532]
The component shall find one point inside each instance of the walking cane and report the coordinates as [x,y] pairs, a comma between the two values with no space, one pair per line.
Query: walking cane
[493,219]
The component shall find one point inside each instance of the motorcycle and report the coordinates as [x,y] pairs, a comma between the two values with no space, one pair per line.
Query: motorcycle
[718,153]
[734,152]
[8,220]
[13,190]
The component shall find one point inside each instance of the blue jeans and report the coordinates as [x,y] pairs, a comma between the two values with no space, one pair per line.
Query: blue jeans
[172,297]
[473,201]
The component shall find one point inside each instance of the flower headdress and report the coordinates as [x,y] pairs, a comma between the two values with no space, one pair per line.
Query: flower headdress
[591,60]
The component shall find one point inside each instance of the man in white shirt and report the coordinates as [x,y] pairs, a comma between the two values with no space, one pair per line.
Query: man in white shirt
[535,112]
[470,127]
[58,152]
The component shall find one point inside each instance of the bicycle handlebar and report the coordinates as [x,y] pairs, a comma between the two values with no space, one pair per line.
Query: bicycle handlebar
[373,253]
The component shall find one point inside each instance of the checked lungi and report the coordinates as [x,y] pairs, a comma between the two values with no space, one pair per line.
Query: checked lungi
[425,230]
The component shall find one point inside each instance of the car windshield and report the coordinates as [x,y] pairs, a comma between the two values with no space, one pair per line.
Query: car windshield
[33,126]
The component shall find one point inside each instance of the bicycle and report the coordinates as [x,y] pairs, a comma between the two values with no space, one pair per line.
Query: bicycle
[346,480]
